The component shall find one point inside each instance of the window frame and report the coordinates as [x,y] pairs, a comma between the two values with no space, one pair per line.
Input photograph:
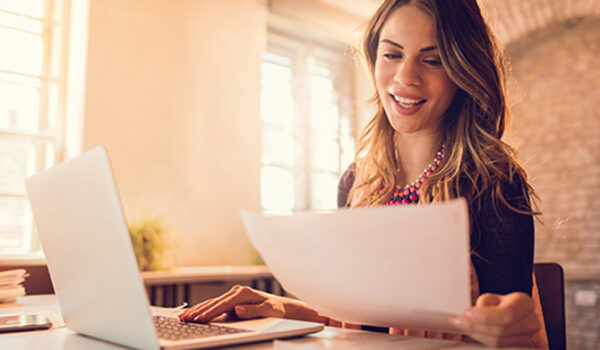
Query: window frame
[330,55]
[63,69]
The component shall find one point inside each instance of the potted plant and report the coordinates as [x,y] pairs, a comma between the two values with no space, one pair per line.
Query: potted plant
[151,242]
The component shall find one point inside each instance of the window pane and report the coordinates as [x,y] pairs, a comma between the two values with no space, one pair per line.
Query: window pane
[13,222]
[347,159]
[17,161]
[50,154]
[324,191]
[325,152]
[22,52]
[277,103]
[277,189]
[347,143]
[34,8]
[19,79]
[52,106]
[19,106]
[278,147]
[324,112]
[20,22]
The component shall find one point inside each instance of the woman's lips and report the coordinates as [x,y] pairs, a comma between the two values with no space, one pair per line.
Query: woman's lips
[407,105]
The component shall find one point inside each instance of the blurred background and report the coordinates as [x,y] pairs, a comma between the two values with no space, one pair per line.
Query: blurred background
[207,107]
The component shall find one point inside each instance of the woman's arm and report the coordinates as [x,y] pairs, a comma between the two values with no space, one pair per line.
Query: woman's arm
[500,320]
[246,303]
[503,243]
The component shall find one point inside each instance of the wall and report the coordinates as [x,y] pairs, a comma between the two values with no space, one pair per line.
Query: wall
[173,93]
[556,129]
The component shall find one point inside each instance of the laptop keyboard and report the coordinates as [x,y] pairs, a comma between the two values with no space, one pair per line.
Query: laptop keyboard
[172,328]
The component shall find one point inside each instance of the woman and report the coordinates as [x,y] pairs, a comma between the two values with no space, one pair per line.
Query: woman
[440,107]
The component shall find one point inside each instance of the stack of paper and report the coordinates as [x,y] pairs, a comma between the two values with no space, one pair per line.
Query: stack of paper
[11,285]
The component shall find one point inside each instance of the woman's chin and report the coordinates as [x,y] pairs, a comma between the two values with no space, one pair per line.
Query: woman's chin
[406,128]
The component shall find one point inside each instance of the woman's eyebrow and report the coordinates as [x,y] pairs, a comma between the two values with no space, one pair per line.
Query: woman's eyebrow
[427,48]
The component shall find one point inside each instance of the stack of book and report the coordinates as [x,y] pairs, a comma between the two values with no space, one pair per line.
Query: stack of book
[11,285]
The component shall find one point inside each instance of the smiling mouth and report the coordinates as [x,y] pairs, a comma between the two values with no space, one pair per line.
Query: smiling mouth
[407,102]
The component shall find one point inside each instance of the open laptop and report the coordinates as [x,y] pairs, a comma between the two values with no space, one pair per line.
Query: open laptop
[95,275]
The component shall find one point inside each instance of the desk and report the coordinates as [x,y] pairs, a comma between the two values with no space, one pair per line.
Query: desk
[59,337]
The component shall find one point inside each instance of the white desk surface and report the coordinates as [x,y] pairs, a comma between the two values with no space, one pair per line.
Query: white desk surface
[59,337]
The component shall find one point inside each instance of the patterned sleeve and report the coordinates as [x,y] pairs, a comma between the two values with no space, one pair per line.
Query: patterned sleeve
[503,244]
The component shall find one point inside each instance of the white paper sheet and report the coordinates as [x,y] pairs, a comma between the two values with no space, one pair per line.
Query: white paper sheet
[393,266]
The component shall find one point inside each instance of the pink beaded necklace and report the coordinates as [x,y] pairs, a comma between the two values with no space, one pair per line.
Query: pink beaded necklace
[410,193]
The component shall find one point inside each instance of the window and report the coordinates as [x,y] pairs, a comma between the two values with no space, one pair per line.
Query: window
[34,40]
[306,112]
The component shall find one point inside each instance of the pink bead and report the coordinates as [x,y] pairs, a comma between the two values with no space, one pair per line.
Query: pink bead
[418,185]
[412,188]
[413,197]
[405,193]
[428,173]
[433,168]
[405,201]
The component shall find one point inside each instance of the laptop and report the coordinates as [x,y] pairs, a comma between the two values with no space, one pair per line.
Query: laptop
[91,261]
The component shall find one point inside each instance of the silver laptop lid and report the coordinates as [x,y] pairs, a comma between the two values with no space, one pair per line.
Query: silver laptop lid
[89,254]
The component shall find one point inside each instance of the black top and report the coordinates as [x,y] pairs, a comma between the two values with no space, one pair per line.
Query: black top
[501,242]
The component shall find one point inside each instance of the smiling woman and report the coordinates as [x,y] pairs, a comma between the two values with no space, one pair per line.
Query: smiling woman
[411,81]
[441,107]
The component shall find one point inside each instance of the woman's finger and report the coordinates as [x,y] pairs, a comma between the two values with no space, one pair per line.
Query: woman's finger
[504,309]
[198,306]
[197,309]
[244,295]
[264,309]
[488,299]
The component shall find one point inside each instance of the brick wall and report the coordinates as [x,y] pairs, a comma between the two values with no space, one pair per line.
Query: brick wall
[583,327]
[556,129]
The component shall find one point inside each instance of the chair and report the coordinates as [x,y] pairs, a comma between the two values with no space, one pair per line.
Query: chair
[550,281]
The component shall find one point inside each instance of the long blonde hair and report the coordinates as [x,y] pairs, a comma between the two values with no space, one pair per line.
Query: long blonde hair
[475,158]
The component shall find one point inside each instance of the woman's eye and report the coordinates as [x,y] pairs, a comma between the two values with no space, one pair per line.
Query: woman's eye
[433,63]
[391,56]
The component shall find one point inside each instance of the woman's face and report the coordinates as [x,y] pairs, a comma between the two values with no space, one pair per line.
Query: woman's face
[413,86]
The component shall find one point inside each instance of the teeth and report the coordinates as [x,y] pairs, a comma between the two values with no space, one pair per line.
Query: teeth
[406,102]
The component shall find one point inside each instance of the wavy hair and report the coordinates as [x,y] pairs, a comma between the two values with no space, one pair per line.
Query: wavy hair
[475,159]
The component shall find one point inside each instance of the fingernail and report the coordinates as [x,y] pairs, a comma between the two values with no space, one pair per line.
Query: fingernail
[198,317]
[468,314]
[455,321]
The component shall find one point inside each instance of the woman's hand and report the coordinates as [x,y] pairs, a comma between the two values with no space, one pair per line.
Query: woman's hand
[241,301]
[500,320]
[246,303]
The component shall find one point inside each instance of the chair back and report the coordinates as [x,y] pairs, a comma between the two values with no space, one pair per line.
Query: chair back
[550,281]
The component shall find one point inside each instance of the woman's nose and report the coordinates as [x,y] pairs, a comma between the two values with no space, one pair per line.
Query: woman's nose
[408,74]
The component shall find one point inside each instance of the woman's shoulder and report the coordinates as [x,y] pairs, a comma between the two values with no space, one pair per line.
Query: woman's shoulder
[345,185]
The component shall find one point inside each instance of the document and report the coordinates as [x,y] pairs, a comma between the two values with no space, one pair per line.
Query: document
[392,266]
